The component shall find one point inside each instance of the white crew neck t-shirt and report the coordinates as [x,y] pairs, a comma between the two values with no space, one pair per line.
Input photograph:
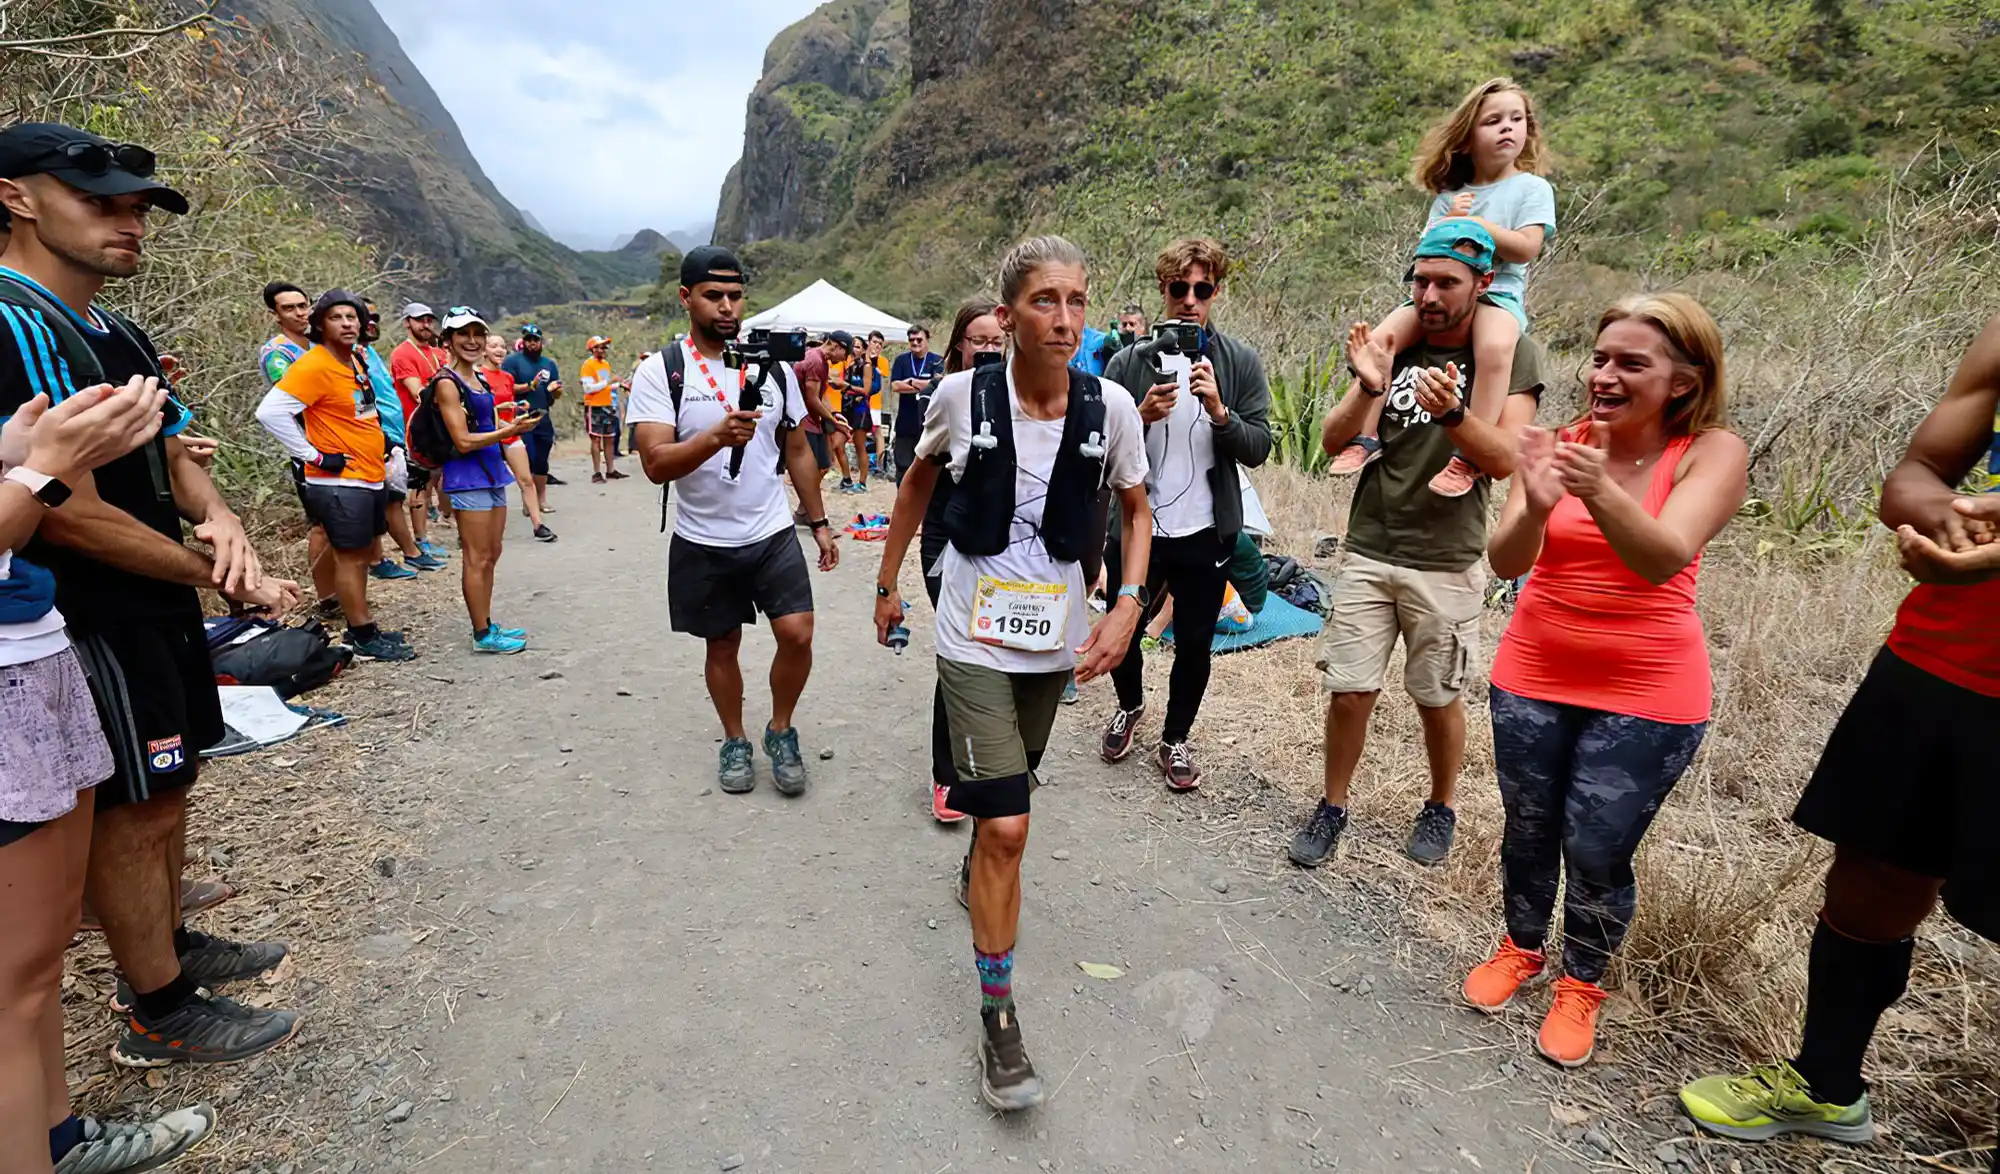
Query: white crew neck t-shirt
[948,432]
[710,507]
[1180,451]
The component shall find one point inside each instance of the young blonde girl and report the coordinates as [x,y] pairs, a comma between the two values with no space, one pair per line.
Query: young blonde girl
[1481,162]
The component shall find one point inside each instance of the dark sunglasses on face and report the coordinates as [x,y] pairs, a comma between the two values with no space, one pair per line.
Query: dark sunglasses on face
[1203,290]
[99,158]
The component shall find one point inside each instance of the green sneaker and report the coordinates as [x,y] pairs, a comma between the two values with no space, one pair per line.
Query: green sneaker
[1772,1100]
[737,776]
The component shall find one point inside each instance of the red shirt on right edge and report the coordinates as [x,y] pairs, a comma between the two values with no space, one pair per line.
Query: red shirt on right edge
[411,361]
[1952,633]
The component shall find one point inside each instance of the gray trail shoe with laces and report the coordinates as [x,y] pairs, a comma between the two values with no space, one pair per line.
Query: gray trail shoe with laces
[788,766]
[1007,1079]
[737,775]
[207,1029]
[118,1147]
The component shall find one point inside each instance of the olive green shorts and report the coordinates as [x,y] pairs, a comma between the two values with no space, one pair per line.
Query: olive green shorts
[1000,725]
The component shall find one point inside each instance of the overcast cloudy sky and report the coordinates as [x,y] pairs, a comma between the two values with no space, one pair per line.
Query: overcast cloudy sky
[601,117]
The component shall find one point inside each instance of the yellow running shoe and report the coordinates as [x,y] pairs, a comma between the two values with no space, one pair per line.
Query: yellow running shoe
[1769,1101]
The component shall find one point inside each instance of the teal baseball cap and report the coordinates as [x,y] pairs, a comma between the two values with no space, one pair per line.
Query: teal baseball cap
[1465,241]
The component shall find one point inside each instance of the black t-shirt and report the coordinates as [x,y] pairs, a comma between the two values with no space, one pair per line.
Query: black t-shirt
[91,595]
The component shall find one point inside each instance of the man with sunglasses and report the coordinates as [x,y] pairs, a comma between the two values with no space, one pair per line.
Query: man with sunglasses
[127,585]
[908,377]
[1205,415]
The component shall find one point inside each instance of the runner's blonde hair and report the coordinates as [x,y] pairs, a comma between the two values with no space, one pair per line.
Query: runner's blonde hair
[1444,160]
[1023,259]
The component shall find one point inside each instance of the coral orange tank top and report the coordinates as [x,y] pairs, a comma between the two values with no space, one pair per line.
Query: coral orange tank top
[1588,631]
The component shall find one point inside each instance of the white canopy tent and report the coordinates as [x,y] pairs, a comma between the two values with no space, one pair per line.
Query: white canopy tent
[821,307]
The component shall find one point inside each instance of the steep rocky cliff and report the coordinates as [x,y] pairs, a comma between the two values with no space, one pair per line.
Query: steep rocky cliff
[828,82]
[431,209]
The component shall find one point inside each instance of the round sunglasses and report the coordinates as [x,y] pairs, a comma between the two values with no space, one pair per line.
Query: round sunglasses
[1203,290]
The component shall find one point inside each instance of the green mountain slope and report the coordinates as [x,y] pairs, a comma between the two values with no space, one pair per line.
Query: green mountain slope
[1689,135]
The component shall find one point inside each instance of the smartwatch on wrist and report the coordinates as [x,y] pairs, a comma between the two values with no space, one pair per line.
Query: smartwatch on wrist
[47,490]
[882,592]
[1453,418]
[1138,592]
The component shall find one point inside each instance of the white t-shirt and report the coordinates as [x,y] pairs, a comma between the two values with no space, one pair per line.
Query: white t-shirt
[948,429]
[33,640]
[1180,450]
[711,508]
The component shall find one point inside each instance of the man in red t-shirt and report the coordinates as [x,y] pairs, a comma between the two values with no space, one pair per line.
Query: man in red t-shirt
[1905,788]
[413,364]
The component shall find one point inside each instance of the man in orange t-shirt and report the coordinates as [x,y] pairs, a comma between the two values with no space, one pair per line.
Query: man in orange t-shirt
[1905,789]
[600,411]
[323,411]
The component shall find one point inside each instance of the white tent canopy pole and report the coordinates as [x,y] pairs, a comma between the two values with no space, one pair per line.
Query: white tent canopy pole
[821,307]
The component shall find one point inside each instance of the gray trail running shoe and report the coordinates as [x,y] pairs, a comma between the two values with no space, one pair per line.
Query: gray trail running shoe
[737,776]
[119,1147]
[213,961]
[1006,1078]
[1430,839]
[207,1029]
[1320,838]
[788,766]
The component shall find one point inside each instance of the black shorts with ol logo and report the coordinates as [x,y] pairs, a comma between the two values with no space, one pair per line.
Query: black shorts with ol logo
[154,686]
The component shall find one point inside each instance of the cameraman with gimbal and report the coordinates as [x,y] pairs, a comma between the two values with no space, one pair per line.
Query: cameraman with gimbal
[720,420]
[1205,414]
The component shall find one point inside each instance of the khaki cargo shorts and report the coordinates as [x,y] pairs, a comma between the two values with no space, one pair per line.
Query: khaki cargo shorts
[1435,612]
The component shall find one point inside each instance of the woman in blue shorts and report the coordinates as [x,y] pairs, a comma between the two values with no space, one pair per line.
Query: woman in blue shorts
[476,479]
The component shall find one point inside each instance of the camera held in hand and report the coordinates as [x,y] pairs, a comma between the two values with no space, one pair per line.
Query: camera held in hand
[1175,337]
[763,347]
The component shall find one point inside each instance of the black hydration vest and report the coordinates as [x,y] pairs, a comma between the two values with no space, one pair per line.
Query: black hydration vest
[981,512]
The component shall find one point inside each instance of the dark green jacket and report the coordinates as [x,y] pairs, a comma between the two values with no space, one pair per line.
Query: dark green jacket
[1245,440]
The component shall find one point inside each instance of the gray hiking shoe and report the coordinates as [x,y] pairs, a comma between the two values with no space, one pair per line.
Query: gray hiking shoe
[1320,838]
[788,766]
[737,776]
[1006,1077]
[207,1029]
[118,1147]
[210,962]
[1430,840]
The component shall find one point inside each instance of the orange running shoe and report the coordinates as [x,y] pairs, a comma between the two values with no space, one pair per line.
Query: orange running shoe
[1569,1034]
[1355,456]
[1457,478]
[1492,983]
[941,805]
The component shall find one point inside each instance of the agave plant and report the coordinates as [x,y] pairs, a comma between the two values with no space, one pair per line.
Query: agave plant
[1298,403]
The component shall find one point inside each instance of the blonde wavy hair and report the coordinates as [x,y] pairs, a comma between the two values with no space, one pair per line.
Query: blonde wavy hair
[1694,345]
[1444,160]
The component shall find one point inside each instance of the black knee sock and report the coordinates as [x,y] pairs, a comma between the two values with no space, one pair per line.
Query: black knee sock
[1850,984]
[168,999]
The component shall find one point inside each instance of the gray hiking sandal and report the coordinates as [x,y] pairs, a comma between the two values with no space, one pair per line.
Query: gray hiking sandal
[788,766]
[207,1029]
[737,775]
[118,1147]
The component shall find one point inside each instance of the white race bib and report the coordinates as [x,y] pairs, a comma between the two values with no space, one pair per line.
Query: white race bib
[1009,613]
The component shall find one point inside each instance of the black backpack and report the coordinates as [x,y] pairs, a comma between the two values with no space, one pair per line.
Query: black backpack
[676,366]
[290,660]
[429,440]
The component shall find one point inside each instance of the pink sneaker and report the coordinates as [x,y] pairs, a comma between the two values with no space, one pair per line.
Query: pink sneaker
[1355,456]
[943,813]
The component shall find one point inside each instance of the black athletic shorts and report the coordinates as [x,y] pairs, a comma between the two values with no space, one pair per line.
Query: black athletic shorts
[1906,779]
[539,445]
[712,591]
[353,517]
[821,453]
[155,691]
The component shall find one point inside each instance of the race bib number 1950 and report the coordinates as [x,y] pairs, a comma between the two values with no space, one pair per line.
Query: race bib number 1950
[1031,617]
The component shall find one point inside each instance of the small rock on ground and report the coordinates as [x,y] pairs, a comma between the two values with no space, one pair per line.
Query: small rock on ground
[552,675]
[1059,854]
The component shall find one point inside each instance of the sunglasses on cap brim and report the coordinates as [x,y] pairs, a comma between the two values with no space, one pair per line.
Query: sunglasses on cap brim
[1203,290]
[99,158]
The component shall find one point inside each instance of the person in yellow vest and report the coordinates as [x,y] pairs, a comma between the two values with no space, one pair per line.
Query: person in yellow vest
[600,411]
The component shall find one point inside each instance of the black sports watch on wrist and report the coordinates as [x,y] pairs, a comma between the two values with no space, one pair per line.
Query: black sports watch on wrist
[1453,418]
[882,592]
[817,524]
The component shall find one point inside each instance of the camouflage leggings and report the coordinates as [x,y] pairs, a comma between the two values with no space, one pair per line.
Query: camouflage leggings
[1581,787]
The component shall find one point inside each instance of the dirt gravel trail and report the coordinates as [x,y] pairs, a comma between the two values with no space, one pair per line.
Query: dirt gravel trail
[628,970]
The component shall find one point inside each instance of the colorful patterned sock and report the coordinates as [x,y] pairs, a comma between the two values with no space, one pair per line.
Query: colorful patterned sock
[996,979]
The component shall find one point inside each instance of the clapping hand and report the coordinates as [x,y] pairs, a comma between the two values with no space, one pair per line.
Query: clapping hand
[88,428]
[1372,354]
[1537,470]
[1437,391]
[1580,465]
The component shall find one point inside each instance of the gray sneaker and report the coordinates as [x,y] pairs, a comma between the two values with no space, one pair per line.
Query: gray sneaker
[118,1147]
[1007,1079]
[214,961]
[1430,840]
[207,1029]
[788,766]
[737,776]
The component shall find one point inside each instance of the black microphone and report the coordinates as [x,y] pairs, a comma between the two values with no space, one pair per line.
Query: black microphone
[745,404]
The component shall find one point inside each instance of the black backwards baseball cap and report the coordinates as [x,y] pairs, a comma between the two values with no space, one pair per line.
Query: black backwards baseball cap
[84,161]
[710,263]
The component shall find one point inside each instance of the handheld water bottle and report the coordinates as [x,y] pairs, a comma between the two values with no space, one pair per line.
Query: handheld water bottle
[899,636]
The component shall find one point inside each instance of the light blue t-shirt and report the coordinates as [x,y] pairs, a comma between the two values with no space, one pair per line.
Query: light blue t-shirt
[1518,201]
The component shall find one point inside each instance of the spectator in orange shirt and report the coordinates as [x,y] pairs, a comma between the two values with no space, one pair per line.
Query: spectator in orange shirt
[600,411]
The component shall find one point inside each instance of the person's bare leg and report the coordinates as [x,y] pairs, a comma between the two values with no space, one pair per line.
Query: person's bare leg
[995,893]
[132,891]
[596,455]
[400,531]
[420,516]
[41,876]
[351,583]
[479,554]
[542,491]
[791,666]
[1346,735]
[517,464]
[840,455]
[723,673]
[177,847]
[1444,746]
[319,557]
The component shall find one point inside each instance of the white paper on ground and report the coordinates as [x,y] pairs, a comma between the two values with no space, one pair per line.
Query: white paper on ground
[257,713]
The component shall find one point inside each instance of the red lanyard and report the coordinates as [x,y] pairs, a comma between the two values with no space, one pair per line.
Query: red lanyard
[701,362]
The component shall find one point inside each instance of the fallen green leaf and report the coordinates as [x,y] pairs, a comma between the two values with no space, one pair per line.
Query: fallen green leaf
[1100,970]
